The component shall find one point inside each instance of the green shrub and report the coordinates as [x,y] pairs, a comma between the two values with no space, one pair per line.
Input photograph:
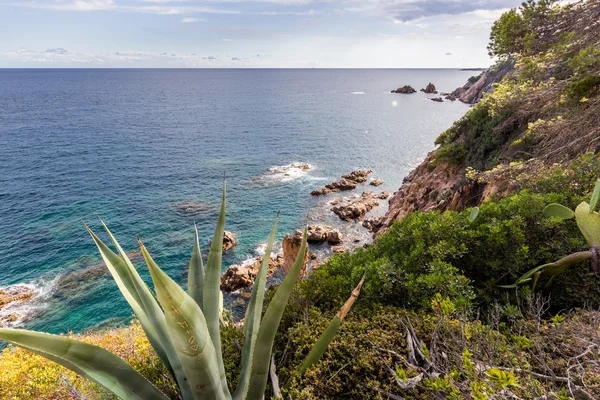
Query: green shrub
[582,88]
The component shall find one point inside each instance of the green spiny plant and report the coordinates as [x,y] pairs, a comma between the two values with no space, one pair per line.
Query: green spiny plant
[184,328]
[588,221]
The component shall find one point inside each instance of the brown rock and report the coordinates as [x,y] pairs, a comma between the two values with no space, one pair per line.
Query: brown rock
[376,182]
[291,248]
[383,195]
[406,89]
[239,276]
[15,293]
[356,208]
[429,88]
[450,97]
[9,319]
[229,240]
[348,182]
[338,249]
[334,237]
[372,224]
[477,86]
[438,99]
[318,233]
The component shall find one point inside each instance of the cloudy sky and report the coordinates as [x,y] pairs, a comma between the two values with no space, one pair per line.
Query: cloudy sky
[240,33]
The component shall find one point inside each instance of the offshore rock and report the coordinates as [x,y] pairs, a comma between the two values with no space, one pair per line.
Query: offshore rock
[372,224]
[438,99]
[376,182]
[348,182]
[430,89]
[356,208]
[406,89]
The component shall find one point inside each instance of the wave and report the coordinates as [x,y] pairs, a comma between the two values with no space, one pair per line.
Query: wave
[358,92]
[17,312]
[285,173]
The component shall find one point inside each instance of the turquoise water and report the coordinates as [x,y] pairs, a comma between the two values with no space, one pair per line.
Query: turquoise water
[130,145]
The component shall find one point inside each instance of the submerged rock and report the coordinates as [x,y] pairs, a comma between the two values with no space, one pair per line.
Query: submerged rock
[438,99]
[406,89]
[348,182]
[430,88]
[192,207]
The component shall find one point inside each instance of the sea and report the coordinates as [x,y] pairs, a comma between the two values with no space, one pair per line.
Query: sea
[147,150]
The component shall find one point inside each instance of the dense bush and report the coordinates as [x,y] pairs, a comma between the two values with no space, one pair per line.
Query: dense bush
[433,252]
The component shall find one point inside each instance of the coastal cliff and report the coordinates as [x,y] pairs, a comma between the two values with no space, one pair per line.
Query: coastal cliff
[533,111]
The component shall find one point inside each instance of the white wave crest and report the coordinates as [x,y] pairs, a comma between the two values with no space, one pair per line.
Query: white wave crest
[17,312]
[358,92]
[286,173]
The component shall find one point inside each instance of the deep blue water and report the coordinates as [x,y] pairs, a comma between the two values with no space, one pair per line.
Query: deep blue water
[130,145]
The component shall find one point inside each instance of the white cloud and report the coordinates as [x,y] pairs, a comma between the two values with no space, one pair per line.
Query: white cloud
[190,20]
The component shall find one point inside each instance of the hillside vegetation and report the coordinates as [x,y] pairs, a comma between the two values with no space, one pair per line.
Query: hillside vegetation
[432,321]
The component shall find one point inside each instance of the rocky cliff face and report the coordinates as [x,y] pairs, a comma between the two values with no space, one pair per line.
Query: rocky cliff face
[476,87]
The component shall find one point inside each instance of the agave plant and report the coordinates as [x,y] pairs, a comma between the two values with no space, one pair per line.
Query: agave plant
[588,222]
[184,328]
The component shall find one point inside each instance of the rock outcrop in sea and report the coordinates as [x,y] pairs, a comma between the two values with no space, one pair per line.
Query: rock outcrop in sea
[356,207]
[348,182]
[406,89]
[438,99]
[430,88]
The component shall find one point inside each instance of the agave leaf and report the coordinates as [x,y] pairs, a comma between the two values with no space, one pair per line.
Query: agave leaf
[90,361]
[595,197]
[252,319]
[558,211]
[188,331]
[196,272]
[268,328]
[536,276]
[588,223]
[144,306]
[474,213]
[327,336]
[212,287]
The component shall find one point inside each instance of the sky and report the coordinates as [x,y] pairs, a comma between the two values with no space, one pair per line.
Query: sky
[247,34]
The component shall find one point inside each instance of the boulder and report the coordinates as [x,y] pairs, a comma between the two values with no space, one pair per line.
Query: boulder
[338,249]
[334,237]
[372,224]
[438,99]
[291,248]
[348,182]
[15,293]
[383,195]
[450,97]
[430,88]
[376,182]
[229,240]
[406,89]
[239,276]
[356,208]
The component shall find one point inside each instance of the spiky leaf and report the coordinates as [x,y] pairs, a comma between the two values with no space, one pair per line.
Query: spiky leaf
[188,331]
[196,272]
[144,305]
[90,361]
[212,287]
[268,328]
[327,336]
[252,319]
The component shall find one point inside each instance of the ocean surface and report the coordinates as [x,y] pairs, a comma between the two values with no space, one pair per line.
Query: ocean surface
[136,147]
